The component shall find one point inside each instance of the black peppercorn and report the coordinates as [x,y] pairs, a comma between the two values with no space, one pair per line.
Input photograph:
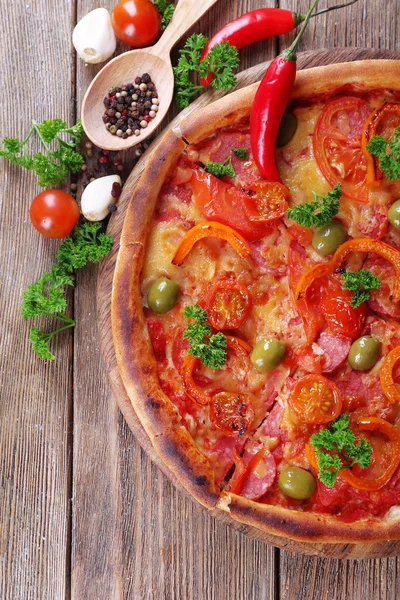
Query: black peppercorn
[146,78]
[112,208]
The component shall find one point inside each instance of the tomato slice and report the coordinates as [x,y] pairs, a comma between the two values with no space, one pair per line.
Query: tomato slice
[266,201]
[228,304]
[223,202]
[316,400]
[232,413]
[338,147]
[384,122]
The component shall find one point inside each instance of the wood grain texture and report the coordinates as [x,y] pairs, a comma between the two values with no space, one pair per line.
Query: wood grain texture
[36,397]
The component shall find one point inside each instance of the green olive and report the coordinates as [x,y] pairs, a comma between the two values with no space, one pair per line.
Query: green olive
[163,295]
[287,129]
[267,354]
[327,239]
[394,215]
[296,483]
[364,353]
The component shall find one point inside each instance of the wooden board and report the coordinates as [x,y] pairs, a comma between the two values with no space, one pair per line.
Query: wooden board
[306,60]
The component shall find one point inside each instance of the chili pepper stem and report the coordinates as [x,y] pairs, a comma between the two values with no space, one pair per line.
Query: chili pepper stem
[299,17]
[290,53]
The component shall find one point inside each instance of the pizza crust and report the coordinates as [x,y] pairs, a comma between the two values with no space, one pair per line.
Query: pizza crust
[135,359]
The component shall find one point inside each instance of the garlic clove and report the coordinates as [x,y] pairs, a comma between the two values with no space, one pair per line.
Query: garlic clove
[96,198]
[94,38]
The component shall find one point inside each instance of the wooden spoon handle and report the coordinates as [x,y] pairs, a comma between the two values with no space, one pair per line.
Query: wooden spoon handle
[187,13]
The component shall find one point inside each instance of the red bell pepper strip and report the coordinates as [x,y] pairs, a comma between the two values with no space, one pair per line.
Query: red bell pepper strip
[257,25]
[270,104]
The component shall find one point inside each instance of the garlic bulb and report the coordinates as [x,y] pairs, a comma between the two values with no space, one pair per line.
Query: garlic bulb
[96,197]
[94,38]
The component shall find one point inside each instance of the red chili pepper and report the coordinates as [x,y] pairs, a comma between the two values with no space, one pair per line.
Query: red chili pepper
[255,26]
[270,104]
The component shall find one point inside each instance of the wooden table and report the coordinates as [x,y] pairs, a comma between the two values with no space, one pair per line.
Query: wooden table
[83,513]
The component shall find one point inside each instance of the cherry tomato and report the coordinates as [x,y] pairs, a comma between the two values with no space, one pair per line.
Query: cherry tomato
[136,22]
[54,213]
[223,202]
[232,413]
[316,400]
[265,201]
[338,147]
[228,304]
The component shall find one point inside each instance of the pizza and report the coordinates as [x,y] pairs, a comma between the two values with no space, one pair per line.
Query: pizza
[256,324]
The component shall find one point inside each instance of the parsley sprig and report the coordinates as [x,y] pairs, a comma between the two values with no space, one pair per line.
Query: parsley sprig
[219,169]
[166,11]
[319,211]
[210,349]
[47,297]
[59,155]
[221,61]
[337,448]
[388,153]
[360,283]
[240,153]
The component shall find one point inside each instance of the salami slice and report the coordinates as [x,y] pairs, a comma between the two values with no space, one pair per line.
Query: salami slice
[336,349]
[379,300]
[258,482]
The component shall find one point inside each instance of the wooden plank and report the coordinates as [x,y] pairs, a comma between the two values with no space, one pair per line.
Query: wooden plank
[35,405]
[134,535]
[365,25]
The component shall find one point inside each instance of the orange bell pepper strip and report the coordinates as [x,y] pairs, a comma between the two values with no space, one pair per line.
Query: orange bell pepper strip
[209,229]
[190,363]
[358,245]
[377,424]
[386,375]
[311,456]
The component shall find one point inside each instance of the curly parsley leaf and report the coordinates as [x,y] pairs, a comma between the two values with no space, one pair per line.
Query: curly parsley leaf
[166,11]
[388,154]
[221,61]
[319,211]
[240,153]
[47,297]
[210,349]
[40,344]
[219,169]
[51,165]
[84,245]
[337,448]
[360,283]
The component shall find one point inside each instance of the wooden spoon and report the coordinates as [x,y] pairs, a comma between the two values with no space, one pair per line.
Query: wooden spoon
[123,69]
